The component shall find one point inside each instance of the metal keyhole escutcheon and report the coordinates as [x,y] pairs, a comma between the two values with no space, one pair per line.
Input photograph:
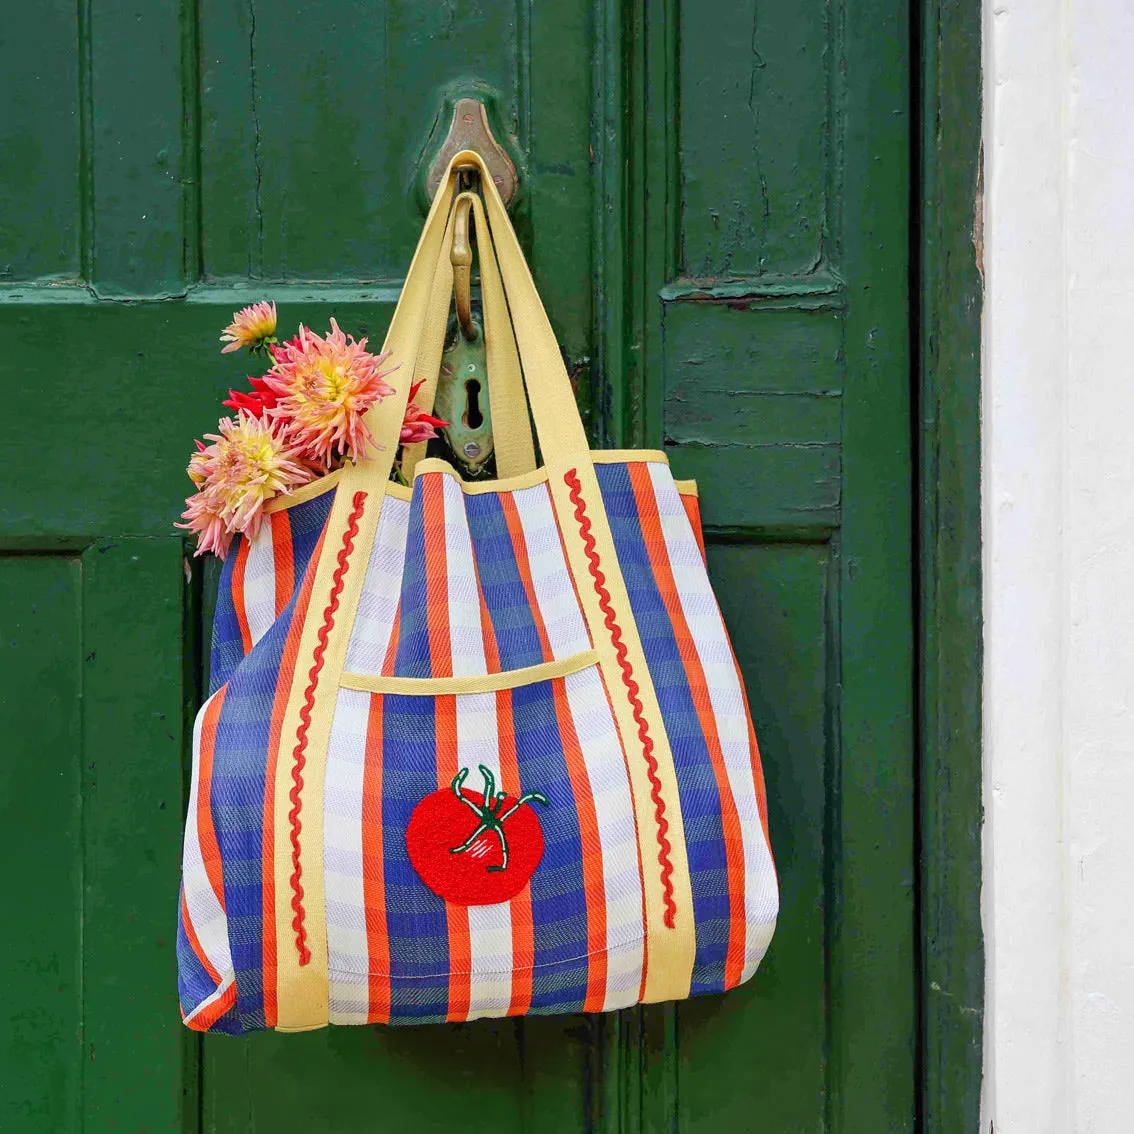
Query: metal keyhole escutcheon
[463,399]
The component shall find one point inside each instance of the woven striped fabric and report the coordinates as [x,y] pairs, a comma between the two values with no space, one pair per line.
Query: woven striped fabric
[464,583]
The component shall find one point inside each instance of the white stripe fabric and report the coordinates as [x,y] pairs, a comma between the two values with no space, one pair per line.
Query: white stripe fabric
[260,580]
[599,743]
[710,639]
[618,837]
[466,637]
[381,590]
[490,927]
[205,910]
[348,957]
[555,593]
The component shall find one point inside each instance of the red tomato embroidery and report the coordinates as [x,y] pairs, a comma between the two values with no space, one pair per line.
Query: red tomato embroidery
[473,848]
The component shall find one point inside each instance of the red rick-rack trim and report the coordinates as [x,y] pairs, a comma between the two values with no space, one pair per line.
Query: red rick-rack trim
[664,849]
[299,756]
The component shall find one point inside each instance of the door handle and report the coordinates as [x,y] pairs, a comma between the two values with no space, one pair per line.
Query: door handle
[469,130]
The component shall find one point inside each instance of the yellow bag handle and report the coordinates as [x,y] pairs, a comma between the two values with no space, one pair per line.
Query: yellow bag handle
[416,337]
[416,330]
[558,424]
[511,428]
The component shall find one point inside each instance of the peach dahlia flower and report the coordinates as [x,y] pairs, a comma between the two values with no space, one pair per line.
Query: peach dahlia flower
[247,464]
[251,327]
[323,387]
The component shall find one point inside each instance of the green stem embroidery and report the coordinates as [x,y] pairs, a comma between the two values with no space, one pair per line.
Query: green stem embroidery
[489,812]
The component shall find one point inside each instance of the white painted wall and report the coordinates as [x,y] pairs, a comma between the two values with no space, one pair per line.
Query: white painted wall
[1059,566]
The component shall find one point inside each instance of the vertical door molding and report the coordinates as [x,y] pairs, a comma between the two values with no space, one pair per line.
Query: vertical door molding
[948,217]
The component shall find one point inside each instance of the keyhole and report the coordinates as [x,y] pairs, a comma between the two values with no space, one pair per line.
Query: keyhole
[473,417]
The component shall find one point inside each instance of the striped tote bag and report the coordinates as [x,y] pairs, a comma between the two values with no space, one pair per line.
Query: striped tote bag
[472,749]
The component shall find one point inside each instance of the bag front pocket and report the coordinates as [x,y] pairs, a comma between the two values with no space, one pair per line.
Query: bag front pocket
[409,772]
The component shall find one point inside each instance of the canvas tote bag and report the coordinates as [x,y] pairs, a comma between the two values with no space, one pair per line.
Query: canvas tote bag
[472,748]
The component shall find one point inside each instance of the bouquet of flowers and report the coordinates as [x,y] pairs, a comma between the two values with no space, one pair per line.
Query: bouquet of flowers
[300,420]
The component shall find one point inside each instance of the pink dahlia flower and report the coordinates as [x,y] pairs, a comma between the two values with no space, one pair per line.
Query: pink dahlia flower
[418,426]
[253,327]
[323,387]
[248,463]
[208,525]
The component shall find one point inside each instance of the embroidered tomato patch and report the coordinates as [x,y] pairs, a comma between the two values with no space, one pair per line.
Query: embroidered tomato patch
[474,848]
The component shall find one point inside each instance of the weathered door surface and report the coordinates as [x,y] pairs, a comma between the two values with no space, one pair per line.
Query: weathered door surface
[715,203]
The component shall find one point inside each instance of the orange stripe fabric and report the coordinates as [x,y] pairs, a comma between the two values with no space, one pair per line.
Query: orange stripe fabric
[654,540]
[206,832]
[279,706]
[207,1017]
[445,721]
[284,557]
[594,885]
[693,511]
[460,946]
[520,550]
[436,577]
[523,925]
[523,922]
[238,569]
[373,869]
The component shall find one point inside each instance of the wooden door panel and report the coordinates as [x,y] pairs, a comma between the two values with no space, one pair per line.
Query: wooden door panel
[94,716]
[40,224]
[754,1058]
[752,397]
[715,202]
[772,176]
[41,830]
[754,112]
[491,1076]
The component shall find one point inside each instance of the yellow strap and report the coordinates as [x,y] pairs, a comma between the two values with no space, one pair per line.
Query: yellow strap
[470,683]
[511,429]
[302,990]
[406,336]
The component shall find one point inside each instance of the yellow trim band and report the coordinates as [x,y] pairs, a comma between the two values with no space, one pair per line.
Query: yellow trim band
[304,493]
[621,456]
[670,950]
[475,487]
[473,683]
[536,476]
[303,990]
[686,487]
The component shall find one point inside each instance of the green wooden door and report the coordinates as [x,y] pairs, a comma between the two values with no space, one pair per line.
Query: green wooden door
[715,200]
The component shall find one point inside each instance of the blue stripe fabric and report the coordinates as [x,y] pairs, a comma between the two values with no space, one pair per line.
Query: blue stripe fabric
[697,788]
[238,791]
[306,521]
[194,985]
[238,787]
[228,648]
[509,611]
[415,917]
[412,658]
[559,905]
